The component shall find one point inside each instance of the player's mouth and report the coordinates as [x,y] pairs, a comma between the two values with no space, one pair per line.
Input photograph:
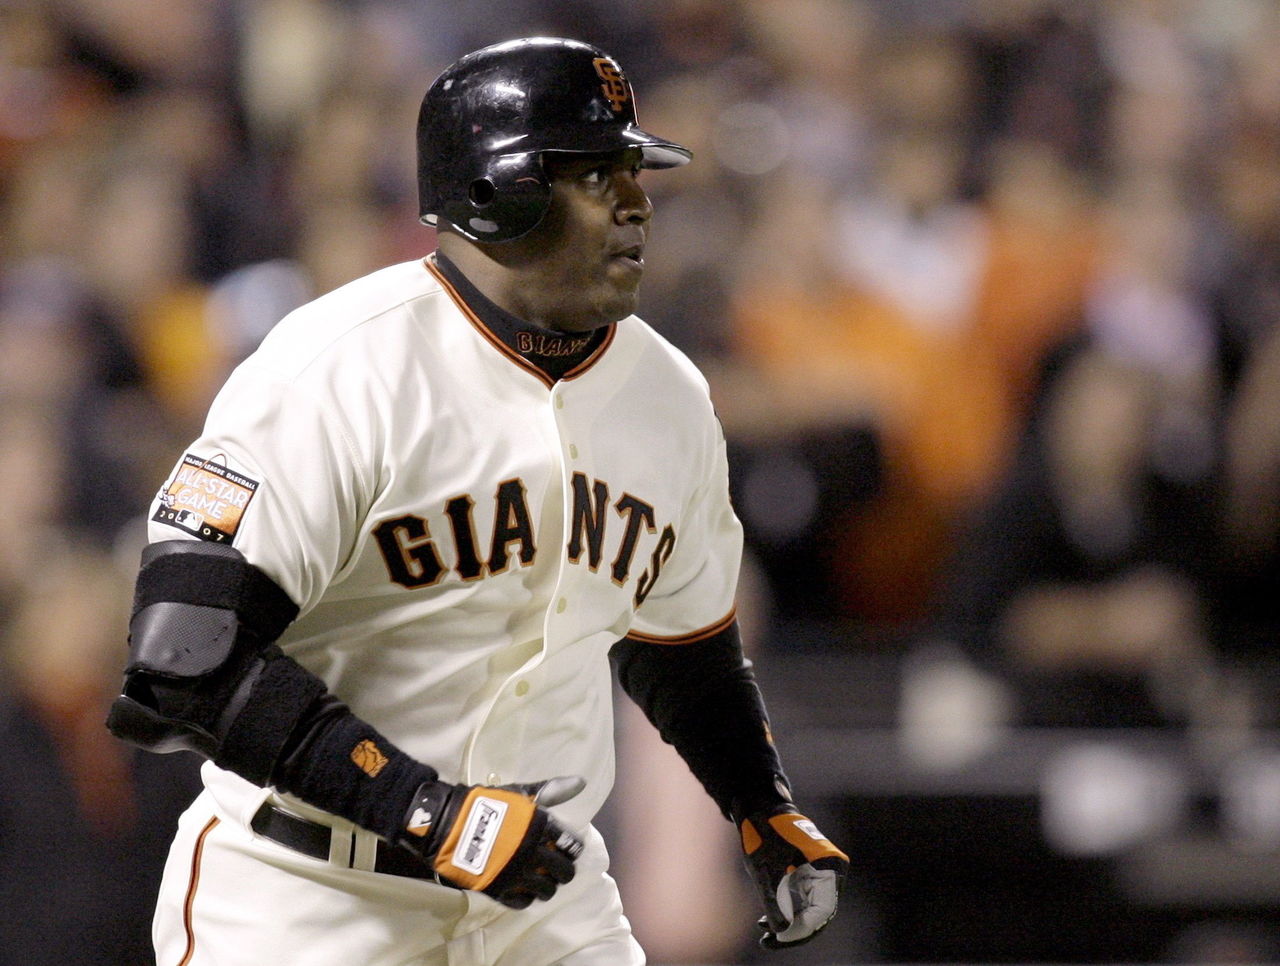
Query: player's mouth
[630,258]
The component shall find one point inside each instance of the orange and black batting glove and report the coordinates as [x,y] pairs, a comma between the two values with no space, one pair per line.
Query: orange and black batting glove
[798,871]
[501,840]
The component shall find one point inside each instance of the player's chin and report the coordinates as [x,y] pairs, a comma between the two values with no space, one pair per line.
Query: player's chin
[611,304]
[599,303]
[622,294]
[618,310]
[596,315]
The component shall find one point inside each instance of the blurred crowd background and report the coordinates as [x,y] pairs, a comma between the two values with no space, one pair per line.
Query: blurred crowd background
[987,292]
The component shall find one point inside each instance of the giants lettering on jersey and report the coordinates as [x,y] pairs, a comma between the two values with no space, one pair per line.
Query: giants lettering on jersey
[413,558]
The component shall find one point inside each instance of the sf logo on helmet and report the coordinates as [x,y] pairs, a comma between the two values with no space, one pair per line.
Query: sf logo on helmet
[615,87]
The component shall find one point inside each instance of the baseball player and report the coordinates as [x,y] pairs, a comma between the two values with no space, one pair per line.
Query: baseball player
[385,584]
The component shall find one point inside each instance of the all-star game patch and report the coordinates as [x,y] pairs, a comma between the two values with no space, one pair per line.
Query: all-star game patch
[206,498]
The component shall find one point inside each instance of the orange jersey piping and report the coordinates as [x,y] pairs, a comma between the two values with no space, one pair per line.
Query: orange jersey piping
[693,637]
[194,882]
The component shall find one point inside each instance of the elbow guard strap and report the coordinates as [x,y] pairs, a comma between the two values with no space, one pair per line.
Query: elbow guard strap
[203,672]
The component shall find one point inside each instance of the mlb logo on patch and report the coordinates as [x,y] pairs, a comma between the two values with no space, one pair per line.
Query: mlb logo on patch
[205,498]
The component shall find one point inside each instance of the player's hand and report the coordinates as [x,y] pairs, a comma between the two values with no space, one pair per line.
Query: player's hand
[798,871]
[500,841]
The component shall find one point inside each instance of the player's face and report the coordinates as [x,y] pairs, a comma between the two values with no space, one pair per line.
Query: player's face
[587,254]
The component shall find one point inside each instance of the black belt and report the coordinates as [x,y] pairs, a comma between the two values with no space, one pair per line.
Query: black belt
[313,838]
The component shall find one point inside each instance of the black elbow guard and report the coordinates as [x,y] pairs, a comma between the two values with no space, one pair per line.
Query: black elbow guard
[202,654]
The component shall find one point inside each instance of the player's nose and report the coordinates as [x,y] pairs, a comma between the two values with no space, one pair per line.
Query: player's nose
[633,205]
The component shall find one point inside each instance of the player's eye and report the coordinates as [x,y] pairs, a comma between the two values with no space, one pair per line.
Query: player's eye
[596,175]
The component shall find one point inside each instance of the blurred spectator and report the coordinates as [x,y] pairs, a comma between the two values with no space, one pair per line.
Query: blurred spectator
[799,404]
[1042,237]
[865,322]
[1040,79]
[32,472]
[67,367]
[1248,578]
[84,821]
[1084,580]
[1087,578]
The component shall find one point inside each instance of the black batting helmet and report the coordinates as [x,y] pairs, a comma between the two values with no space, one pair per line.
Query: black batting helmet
[487,120]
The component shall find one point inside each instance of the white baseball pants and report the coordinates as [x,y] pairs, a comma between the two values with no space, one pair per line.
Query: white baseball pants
[232,898]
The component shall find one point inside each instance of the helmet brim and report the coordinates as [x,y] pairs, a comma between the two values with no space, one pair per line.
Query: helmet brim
[657,152]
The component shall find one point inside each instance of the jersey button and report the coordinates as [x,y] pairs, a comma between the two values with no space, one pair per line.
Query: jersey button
[559,402]
[573,451]
[493,778]
[561,604]
[522,688]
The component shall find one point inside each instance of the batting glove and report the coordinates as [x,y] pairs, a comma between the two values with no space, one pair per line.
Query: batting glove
[798,871]
[500,841]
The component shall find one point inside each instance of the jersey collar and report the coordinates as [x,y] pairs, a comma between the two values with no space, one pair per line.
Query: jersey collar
[548,354]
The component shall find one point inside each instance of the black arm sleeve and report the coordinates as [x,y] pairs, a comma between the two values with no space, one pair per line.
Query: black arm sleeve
[339,762]
[703,699]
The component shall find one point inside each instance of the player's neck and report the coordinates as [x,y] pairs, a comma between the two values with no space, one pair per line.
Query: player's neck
[490,277]
[554,353]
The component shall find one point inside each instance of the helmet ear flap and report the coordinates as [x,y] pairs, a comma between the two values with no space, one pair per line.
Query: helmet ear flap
[482,192]
[505,202]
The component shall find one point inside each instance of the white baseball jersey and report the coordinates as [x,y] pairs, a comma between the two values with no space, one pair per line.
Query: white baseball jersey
[466,537]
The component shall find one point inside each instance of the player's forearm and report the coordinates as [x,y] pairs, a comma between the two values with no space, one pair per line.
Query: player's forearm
[336,761]
[205,675]
[704,701]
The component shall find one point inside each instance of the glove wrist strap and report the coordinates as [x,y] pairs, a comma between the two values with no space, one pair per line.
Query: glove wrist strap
[425,820]
[764,801]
